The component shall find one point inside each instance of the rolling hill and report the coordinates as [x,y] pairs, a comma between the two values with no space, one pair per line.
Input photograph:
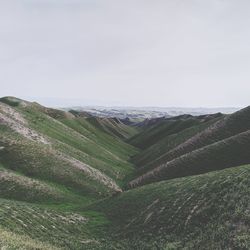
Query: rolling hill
[71,180]
[209,211]
[188,126]
[201,149]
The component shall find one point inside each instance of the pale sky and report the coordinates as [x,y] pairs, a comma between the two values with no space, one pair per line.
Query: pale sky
[184,53]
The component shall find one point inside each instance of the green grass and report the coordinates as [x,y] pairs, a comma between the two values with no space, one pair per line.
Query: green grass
[65,194]
[113,126]
[152,155]
[198,212]
[39,161]
[14,102]
[119,148]
[226,127]
[66,230]
[165,127]
[18,187]
[230,152]
[209,211]
[219,132]
[73,137]
[11,241]
[84,142]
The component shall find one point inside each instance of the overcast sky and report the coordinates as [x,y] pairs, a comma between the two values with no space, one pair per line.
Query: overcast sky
[126,52]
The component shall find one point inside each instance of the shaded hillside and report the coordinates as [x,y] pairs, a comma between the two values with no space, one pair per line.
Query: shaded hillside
[209,211]
[227,153]
[225,127]
[157,129]
[157,150]
[230,125]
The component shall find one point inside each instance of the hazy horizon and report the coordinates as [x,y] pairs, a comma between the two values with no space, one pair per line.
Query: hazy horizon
[126,53]
[67,103]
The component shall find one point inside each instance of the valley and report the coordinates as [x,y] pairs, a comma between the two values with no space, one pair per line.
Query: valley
[71,179]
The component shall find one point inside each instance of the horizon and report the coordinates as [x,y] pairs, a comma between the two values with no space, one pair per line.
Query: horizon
[54,103]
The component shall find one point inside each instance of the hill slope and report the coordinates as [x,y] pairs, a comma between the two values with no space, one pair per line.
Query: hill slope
[201,150]
[152,154]
[227,153]
[159,128]
[40,146]
[62,175]
[209,211]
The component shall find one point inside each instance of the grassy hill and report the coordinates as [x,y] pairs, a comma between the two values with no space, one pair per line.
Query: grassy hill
[56,161]
[209,211]
[163,127]
[63,176]
[65,139]
[150,155]
[201,143]
[227,153]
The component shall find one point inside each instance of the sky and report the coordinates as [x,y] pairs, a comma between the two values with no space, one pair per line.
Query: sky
[182,53]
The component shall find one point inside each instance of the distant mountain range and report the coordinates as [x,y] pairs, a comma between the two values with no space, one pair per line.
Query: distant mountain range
[140,113]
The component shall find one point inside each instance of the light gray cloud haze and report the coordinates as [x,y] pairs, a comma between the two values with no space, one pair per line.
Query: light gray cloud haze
[130,52]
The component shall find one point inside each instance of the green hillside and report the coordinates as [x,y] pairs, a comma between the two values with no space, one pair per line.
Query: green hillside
[209,211]
[63,177]
[163,127]
[219,130]
[230,152]
[68,135]
[150,155]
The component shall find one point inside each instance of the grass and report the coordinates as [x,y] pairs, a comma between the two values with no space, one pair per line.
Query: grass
[165,127]
[152,155]
[230,152]
[67,230]
[202,143]
[198,212]
[39,161]
[14,102]
[209,211]
[88,146]
[64,195]
[113,126]
[226,127]
[83,141]
[12,241]
[18,187]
